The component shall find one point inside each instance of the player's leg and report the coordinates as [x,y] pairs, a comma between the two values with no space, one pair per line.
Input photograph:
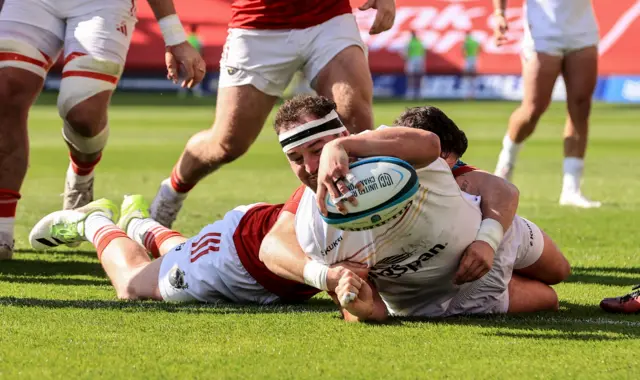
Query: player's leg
[580,73]
[96,45]
[30,37]
[551,268]
[122,258]
[135,221]
[539,73]
[338,68]
[126,263]
[256,68]
[233,132]
[528,296]
[539,258]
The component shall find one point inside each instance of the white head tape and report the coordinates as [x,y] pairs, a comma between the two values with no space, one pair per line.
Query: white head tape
[302,134]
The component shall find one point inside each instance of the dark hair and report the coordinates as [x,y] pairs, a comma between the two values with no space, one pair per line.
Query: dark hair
[293,110]
[432,119]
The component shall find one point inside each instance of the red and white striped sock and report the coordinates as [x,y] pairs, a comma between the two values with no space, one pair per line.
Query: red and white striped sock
[8,204]
[150,234]
[81,172]
[178,185]
[100,230]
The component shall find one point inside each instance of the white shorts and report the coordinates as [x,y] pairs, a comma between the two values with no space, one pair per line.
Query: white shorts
[558,44]
[99,28]
[414,65]
[268,59]
[206,268]
[521,246]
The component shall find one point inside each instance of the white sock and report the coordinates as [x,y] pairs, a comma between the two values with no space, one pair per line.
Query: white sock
[94,222]
[573,168]
[509,152]
[6,226]
[74,178]
[137,228]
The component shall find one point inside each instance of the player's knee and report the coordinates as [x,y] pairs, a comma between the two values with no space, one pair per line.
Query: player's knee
[579,105]
[214,151]
[229,151]
[22,71]
[535,109]
[130,291]
[85,91]
[89,117]
[355,109]
[560,272]
[551,301]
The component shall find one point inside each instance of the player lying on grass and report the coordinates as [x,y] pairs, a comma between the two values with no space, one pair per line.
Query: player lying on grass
[220,263]
[417,263]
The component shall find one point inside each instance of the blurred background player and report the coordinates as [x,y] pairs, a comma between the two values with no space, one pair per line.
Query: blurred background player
[415,61]
[267,43]
[193,38]
[96,36]
[470,50]
[561,37]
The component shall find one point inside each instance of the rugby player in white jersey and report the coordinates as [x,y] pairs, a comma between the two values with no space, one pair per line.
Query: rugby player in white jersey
[96,35]
[561,38]
[417,263]
[221,263]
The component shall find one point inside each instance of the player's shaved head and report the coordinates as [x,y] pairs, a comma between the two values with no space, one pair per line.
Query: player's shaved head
[432,119]
[295,110]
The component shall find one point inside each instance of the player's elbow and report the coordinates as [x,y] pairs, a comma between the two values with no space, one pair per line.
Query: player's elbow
[266,249]
[427,150]
[511,193]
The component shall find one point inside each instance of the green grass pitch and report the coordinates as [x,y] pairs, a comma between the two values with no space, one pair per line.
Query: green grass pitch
[59,317]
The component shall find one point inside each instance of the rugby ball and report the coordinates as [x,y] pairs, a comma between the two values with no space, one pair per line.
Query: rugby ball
[388,186]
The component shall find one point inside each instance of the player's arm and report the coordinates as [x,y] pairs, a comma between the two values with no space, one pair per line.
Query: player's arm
[500,198]
[416,146]
[499,203]
[282,255]
[500,20]
[499,6]
[181,58]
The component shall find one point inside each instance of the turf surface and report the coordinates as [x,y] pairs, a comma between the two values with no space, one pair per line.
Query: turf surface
[59,317]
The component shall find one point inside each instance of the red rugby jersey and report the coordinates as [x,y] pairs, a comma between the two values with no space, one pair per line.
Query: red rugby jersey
[253,227]
[284,14]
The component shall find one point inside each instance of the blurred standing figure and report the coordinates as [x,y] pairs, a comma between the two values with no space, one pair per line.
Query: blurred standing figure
[415,56]
[470,50]
[194,40]
[561,37]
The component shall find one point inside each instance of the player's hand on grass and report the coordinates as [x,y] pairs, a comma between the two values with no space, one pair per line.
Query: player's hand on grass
[476,261]
[334,176]
[385,16]
[500,29]
[336,271]
[355,295]
[184,61]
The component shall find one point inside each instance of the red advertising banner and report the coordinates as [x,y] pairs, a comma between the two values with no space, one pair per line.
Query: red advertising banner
[441,24]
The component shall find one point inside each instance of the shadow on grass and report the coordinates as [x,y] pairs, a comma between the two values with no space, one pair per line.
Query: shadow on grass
[572,322]
[314,305]
[605,276]
[44,268]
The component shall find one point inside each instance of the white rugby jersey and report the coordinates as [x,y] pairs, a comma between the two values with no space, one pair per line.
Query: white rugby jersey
[412,258]
[556,18]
